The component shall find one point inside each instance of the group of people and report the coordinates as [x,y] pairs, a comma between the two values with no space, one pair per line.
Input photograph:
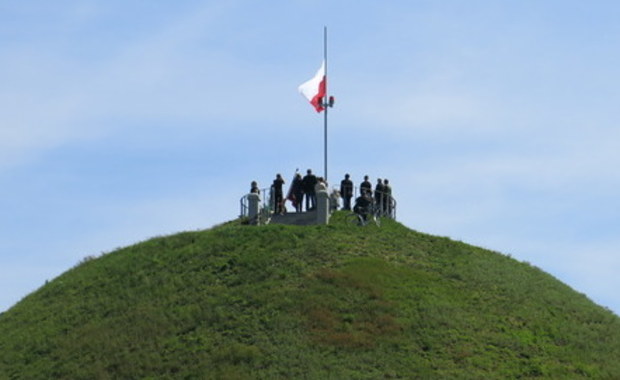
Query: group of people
[307,187]
[301,188]
[381,197]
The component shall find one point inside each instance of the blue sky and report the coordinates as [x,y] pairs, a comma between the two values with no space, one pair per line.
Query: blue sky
[496,122]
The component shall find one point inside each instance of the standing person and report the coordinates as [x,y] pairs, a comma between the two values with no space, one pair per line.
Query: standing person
[346,192]
[309,181]
[366,187]
[387,197]
[298,192]
[321,185]
[254,188]
[379,195]
[278,194]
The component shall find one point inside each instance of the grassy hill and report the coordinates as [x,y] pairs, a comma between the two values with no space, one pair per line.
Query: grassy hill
[320,302]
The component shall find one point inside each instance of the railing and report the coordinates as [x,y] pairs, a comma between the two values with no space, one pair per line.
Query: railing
[393,216]
[266,206]
[243,203]
[385,203]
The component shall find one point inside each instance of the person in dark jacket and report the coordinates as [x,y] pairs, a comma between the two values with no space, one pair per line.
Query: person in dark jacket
[297,192]
[278,194]
[379,194]
[346,192]
[366,187]
[309,181]
[362,205]
[387,197]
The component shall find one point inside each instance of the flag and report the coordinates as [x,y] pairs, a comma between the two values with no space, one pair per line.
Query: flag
[291,194]
[314,90]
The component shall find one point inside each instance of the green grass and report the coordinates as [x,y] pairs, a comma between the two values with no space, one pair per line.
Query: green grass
[319,302]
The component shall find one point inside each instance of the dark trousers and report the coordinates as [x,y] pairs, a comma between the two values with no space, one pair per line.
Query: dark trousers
[299,201]
[278,202]
[346,203]
[310,201]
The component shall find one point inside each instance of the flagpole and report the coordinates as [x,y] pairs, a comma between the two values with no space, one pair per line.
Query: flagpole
[325,102]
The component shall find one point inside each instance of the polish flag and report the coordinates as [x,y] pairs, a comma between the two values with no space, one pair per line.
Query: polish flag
[314,90]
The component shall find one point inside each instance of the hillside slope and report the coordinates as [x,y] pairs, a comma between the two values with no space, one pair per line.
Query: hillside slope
[336,301]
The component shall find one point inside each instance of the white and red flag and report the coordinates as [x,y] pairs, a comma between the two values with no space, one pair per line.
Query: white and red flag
[315,89]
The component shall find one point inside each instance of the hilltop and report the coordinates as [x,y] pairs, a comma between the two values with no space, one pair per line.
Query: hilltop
[335,301]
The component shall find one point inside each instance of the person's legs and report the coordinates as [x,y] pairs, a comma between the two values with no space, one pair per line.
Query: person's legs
[299,204]
[278,205]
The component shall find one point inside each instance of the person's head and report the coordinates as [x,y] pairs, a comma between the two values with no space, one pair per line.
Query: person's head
[297,175]
[278,176]
[254,184]
[379,181]
[309,171]
[386,181]
[346,176]
[365,178]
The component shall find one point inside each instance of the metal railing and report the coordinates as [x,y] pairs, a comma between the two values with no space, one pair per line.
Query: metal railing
[266,205]
[386,204]
[243,203]
[384,201]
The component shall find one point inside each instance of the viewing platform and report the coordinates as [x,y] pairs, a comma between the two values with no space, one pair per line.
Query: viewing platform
[305,218]
[259,210]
